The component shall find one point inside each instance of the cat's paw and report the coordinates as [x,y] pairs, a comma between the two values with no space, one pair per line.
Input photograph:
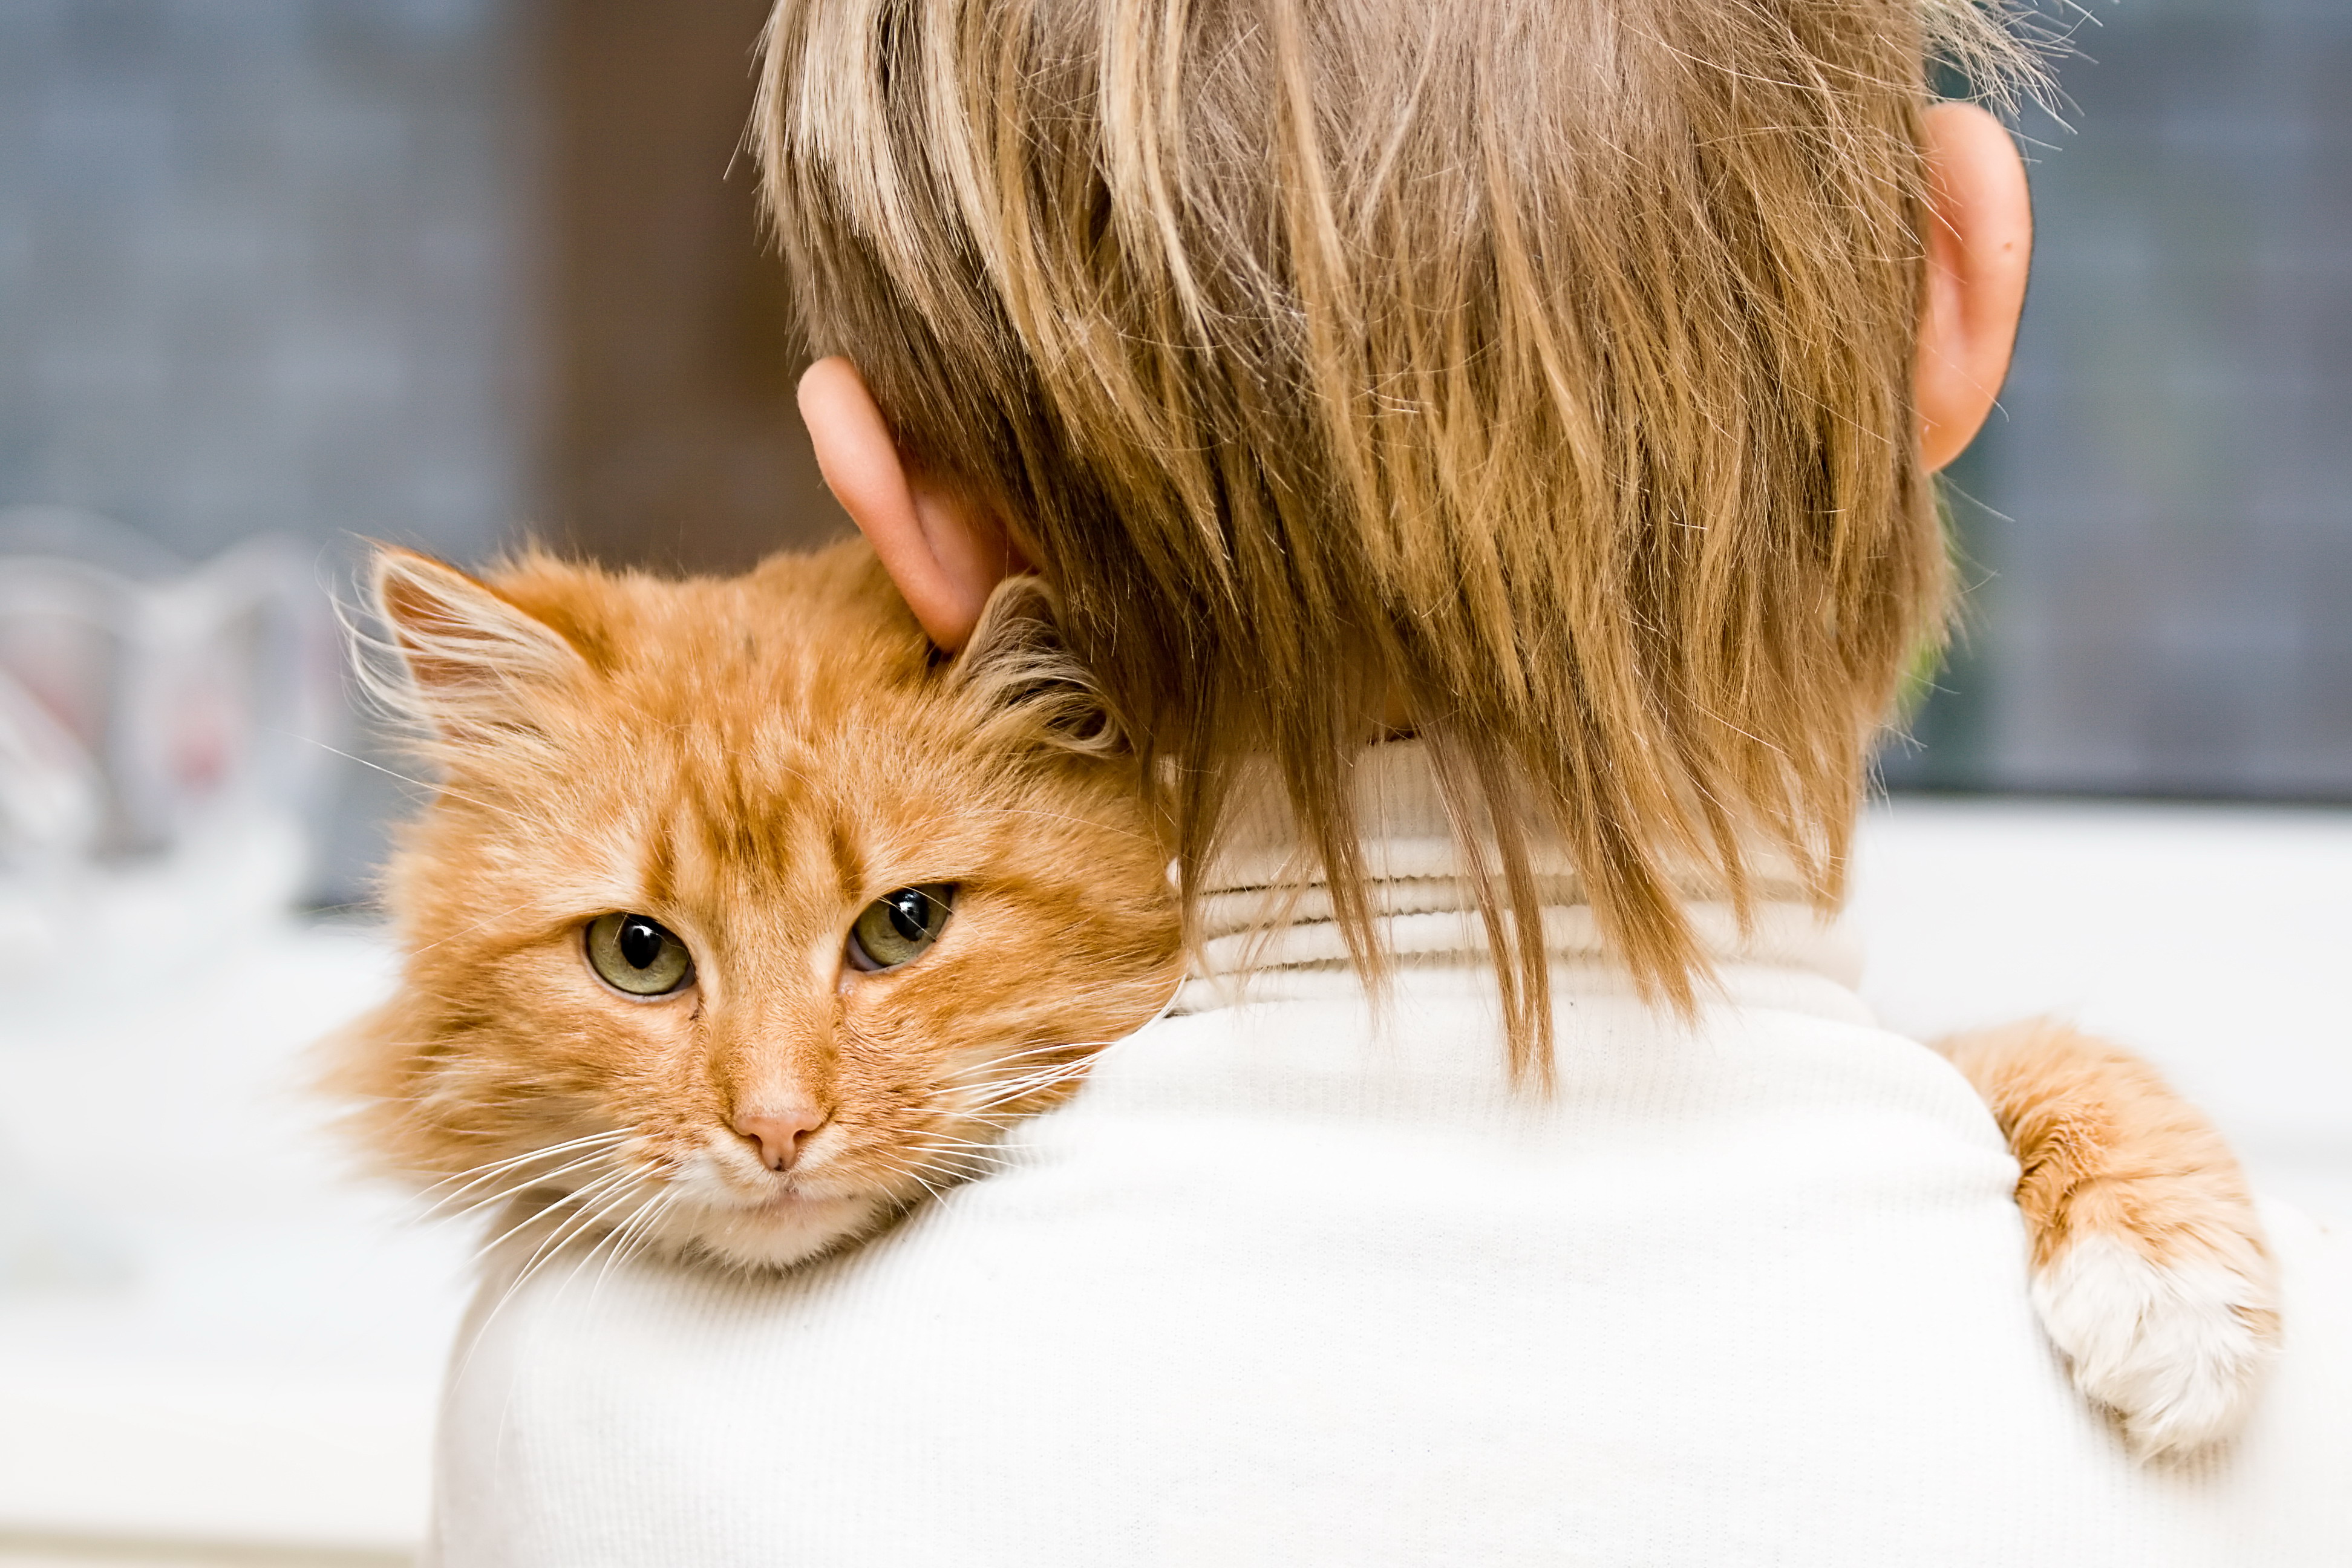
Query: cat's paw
[2176,1347]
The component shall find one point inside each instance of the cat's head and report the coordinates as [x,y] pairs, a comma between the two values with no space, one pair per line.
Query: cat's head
[739,918]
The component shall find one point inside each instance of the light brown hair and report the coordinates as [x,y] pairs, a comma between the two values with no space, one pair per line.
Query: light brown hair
[1540,365]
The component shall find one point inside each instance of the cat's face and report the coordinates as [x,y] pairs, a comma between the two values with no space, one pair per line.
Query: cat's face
[737,922]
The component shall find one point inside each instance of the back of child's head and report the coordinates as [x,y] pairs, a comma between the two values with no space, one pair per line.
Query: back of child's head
[1540,367]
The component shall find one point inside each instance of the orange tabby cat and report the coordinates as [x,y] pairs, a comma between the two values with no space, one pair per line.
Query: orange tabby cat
[738,923]
[742,922]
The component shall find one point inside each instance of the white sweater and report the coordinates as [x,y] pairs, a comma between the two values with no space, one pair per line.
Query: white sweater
[1293,1283]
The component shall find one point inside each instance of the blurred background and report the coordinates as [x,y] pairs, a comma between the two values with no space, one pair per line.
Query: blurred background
[2157,525]
[278,277]
[440,271]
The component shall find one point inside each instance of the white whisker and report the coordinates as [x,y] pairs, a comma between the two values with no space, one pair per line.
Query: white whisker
[636,1228]
[428,787]
[496,1166]
[566,1232]
[587,1193]
[525,1184]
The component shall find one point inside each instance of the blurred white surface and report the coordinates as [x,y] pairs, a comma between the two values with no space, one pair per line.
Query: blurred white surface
[247,1349]
[245,1356]
[2215,940]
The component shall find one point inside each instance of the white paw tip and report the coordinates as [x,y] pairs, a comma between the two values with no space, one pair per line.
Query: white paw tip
[2176,1350]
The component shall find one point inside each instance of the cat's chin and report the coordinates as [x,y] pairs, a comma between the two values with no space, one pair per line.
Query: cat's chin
[779,1234]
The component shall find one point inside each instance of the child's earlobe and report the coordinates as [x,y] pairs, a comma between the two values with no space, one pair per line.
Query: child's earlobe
[946,554]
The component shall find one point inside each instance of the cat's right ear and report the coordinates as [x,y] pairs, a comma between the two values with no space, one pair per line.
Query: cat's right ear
[1018,667]
[468,659]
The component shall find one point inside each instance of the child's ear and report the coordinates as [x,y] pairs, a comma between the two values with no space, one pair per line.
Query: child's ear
[1980,242]
[471,657]
[946,554]
[1018,667]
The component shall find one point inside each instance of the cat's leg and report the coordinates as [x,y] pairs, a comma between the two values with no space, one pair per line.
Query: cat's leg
[2149,1267]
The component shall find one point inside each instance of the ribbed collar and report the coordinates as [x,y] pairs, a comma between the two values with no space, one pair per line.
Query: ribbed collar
[1266,929]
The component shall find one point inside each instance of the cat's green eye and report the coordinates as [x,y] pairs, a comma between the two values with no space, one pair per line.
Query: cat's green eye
[900,926]
[638,955]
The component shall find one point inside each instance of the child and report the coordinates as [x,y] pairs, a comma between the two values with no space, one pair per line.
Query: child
[1507,428]
[1559,384]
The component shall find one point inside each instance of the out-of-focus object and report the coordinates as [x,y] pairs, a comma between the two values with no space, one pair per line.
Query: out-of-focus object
[162,734]
[215,1348]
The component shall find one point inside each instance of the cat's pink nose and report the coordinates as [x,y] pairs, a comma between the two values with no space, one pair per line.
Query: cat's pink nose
[782,1132]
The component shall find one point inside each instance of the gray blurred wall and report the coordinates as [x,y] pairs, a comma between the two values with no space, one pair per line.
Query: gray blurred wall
[2165,568]
[259,268]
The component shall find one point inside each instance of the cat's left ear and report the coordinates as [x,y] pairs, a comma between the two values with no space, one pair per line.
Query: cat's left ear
[471,656]
[1018,667]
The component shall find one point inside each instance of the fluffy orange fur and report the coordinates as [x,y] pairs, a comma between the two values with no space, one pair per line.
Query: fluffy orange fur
[2150,1268]
[751,763]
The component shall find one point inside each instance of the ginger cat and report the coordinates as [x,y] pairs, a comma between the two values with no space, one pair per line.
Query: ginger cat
[742,922]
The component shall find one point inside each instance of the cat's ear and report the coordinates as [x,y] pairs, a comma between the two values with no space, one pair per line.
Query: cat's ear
[1018,667]
[468,658]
